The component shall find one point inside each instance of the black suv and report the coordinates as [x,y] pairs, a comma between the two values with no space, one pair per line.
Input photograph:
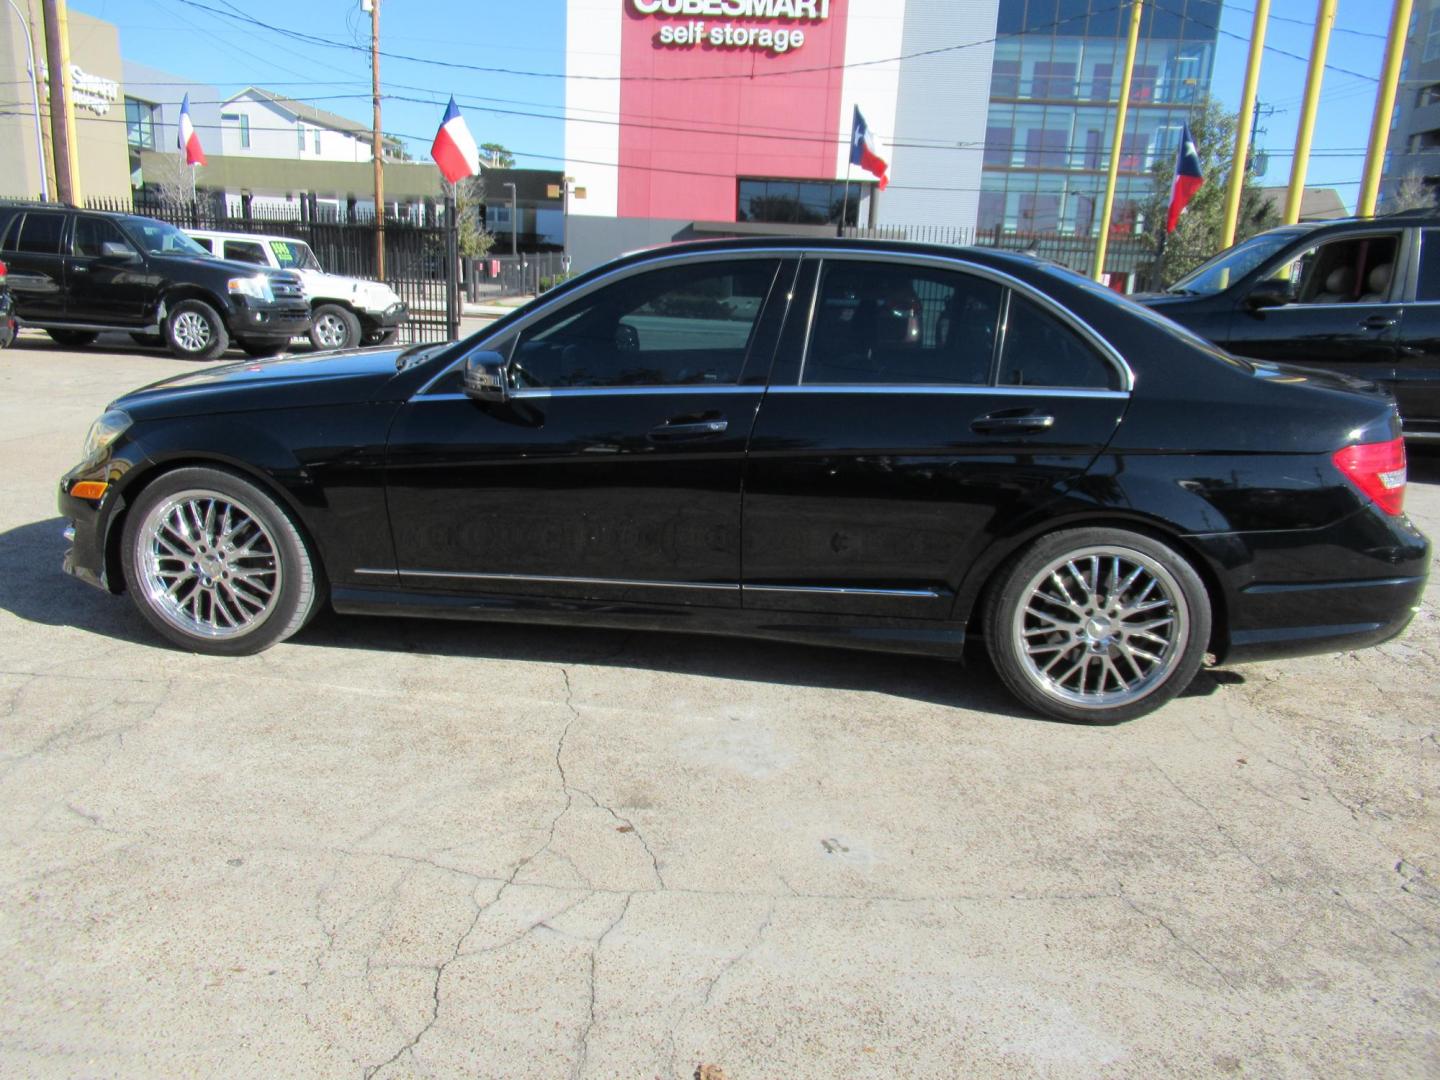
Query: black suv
[75,273]
[1360,296]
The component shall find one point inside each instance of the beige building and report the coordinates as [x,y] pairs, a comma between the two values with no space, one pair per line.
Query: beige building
[99,97]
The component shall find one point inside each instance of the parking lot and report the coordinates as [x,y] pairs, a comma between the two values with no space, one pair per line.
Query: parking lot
[402,848]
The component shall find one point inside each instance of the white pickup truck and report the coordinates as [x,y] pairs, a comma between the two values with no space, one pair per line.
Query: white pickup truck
[347,311]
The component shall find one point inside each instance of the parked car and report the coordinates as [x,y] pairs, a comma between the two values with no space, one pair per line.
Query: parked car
[1360,296]
[75,273]
[347,311]
[872,445]
[7,310]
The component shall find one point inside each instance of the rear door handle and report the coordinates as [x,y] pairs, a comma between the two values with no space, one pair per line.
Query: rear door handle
[1379,322]
[998,423]
[79,268]
[695,429]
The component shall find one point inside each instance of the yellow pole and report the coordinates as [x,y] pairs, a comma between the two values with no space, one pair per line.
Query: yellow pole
[77,198]
[1324,20]
[1121,107]
[1239,167]
[1384,106]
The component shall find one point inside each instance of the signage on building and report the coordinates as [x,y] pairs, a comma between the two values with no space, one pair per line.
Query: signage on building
[729,26]
[93,92]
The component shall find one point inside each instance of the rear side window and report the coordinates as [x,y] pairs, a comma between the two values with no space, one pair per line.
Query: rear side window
[879,323]
[1040,350]
[1428,287]
[205,242]
[7,230]
[40,233]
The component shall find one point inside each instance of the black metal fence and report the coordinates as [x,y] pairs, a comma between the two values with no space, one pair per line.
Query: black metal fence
[526,274]
[1125,252]
[420,261]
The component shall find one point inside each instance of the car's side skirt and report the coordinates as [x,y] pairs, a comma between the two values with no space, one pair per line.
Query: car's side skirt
[923,637]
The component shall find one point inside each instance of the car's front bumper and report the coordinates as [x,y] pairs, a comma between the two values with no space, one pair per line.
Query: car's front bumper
[389,318]
[269,321]
[89,521]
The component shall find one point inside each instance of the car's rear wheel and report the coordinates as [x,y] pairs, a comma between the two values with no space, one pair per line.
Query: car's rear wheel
[216,565]
[195,331]
[1097,625]
[73,339]
[334,328]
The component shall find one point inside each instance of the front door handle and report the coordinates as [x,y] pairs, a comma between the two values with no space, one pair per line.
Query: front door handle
[79,268]
[1011,424]
[693,429]
[1379,322]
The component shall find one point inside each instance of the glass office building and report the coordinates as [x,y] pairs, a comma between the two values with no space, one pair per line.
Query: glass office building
[1051,118]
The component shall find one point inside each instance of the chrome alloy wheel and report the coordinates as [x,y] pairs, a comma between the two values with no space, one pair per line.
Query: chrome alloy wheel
[330,331]
[191,331]
[207,565]
[1101,627]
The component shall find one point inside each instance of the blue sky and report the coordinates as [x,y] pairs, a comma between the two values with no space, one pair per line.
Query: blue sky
[529,36]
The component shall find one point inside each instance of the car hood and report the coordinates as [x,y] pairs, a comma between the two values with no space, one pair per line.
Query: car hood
[227,266]
[284,382]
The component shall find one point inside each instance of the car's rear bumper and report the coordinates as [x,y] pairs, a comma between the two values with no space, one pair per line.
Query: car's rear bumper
[1293,593]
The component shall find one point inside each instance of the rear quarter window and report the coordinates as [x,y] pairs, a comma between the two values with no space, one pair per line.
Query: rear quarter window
[8,218]
[40,233]
[1041,350]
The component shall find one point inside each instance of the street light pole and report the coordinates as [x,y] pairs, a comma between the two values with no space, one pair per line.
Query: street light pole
[377,139]
[514,221]
[35,101]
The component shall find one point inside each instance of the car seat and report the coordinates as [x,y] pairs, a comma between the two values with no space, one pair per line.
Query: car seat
[1339,287]
[1378,282]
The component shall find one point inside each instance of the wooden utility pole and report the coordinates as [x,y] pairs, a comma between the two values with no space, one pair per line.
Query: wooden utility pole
[59,104]
[378,140]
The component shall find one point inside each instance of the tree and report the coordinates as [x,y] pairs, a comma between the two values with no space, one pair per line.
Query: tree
[1412,193]
[495,156]
[474,242]
[169,179]
[1197,235]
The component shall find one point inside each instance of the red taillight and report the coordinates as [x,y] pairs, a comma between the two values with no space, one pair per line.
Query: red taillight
[3,271]
[1377,469]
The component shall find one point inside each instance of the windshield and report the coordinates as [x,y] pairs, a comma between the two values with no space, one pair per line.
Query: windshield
[162,238]
[295,255]
[1234,263]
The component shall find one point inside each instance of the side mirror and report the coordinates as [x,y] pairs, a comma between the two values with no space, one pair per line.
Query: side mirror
[1266,296]
[112,249]
[485,377]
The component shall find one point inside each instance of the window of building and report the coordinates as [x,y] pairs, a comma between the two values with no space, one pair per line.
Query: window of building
[317,140]
[999,145]
[1039,211]
[139,124]
[1040,350]
[675,327]
[1052,80]
[300,137]
[1100,82]
[1005,79]
[802,202]
[877,323]
[1432,37]
[1045,148]
[243,120]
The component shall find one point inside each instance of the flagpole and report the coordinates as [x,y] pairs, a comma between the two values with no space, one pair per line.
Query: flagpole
[845,206]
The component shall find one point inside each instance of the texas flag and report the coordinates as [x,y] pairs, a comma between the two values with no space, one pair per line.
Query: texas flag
[864,150]
[1187,177]
[188,138]
[454,148]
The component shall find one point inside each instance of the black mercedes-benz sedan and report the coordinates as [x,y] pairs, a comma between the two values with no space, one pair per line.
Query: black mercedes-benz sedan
[871,445]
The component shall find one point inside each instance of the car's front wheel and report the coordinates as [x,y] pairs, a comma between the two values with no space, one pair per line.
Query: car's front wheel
[334,327]
[195,331]
[1097,625]
[216,565]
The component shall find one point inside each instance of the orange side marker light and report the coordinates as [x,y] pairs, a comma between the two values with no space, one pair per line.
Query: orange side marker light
[89,489]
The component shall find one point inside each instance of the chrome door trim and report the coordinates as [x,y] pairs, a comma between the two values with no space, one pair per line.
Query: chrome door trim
[549,579]
[843,590]
[930,388]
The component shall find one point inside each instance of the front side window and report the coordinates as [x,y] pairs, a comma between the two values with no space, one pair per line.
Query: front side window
[1232,264]
[1040,350]
[40,233]
[683,326]
[92,234]
[160,237]
[246,251]
[1344,271]
[877,323]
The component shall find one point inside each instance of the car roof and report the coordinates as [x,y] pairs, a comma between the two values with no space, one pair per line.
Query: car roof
[222,234]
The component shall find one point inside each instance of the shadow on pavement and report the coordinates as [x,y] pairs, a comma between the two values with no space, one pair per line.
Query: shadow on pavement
[1422,461]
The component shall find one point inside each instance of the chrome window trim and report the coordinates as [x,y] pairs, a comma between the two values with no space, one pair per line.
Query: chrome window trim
[941,388]
[541,309]
[548,579]
[1065,315]
[540,393]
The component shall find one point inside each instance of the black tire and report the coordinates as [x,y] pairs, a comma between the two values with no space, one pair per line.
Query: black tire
[382,337]
[1046,650]
[73,339]
[148,341]
[195,331]
[261,349]
[274,584]
[334,327]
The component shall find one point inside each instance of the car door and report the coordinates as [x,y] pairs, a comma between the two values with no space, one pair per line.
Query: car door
[1417,360]
[107,284]
[1335,316]
[32,251]
[927,405]
[614,470]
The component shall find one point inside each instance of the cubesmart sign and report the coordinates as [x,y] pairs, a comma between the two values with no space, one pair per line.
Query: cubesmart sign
[714,90]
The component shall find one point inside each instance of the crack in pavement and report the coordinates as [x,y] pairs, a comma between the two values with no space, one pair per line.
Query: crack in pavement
[584,1041]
